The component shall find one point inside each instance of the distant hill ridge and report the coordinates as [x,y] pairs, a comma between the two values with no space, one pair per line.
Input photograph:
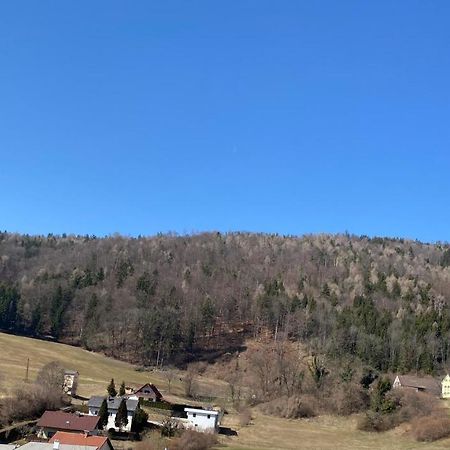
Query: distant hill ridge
[152,300]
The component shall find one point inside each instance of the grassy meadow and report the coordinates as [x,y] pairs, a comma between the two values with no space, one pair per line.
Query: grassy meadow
[264,432]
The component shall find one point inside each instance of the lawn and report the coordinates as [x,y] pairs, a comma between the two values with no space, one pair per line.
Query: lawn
[322,433]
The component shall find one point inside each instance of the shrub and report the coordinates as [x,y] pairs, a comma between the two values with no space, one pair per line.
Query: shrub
[245,417]
[290,407]
[192,440]
[350,399]
[432,428]
[374,421]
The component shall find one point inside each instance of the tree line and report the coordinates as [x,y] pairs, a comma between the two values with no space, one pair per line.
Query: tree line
[153,300]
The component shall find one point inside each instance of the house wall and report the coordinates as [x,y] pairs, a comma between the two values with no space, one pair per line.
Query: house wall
[202,421]
[112,418]
[111,422]
[446,387]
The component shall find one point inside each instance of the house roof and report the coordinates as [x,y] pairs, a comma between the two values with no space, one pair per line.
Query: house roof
[66,421]
[113,402]
[49,446]
[427,383]
[79,439]
[71,372]
[202,411]
[152,387]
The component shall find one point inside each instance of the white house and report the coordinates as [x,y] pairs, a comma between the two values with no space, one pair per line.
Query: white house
[204,420]
[113,403]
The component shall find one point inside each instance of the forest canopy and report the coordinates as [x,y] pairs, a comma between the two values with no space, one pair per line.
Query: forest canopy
[155,299]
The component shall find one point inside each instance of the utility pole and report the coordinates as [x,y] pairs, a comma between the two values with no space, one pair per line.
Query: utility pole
[27,371]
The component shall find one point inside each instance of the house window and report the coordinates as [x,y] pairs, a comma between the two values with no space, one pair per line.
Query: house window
[194,415]
[209,416]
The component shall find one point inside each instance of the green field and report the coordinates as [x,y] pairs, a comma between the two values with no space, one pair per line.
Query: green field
[264,433]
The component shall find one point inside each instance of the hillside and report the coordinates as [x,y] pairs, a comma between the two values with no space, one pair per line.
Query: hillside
[264,432]
[175,298]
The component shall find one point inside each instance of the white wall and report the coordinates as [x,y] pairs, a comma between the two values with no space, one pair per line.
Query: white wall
[205,421]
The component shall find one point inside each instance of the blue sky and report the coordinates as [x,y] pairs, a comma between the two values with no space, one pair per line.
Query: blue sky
[276,116]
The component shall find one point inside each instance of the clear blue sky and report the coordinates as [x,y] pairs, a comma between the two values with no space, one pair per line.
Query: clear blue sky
[291,117]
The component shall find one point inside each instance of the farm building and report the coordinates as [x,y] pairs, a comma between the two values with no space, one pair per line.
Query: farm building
[53,421]
[113,403]
[426,384]
[203,420]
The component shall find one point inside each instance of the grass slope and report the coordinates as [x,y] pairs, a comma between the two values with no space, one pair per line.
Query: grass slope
[95,370]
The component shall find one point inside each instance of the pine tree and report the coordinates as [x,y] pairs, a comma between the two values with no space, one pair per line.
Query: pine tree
[122,415]
[103,414]
[112,388]
[122,389]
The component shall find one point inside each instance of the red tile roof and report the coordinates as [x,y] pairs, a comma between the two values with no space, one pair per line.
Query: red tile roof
[78,439]
[66,421]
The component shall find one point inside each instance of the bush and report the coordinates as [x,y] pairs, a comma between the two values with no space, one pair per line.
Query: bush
[375,421]
[432,428]
[290,407]
[29,402]
[350,399]
[192,440]
[245,417]
[412,405]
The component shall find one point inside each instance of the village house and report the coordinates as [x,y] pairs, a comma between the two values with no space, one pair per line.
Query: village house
[149,392]
[113,403]
[425,384]
[70,382]
[53,421]
[203,420]
[84,440]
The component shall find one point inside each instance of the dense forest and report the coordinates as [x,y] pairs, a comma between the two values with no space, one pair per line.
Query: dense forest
[158,299]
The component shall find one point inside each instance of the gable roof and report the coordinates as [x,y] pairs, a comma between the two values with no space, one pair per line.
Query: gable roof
[427,383]
[113,402]
[79,439]
[152,387]
[61,420]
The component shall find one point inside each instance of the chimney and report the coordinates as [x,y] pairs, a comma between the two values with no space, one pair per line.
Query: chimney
[56,445]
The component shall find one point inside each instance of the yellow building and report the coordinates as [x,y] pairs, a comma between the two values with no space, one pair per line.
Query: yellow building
[446,387]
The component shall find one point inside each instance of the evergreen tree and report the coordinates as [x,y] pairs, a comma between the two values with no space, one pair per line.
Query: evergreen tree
[103,414]
[122,389]
[122,415]
[112,388]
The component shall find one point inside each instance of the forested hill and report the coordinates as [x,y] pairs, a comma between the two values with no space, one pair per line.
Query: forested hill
[385,301]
